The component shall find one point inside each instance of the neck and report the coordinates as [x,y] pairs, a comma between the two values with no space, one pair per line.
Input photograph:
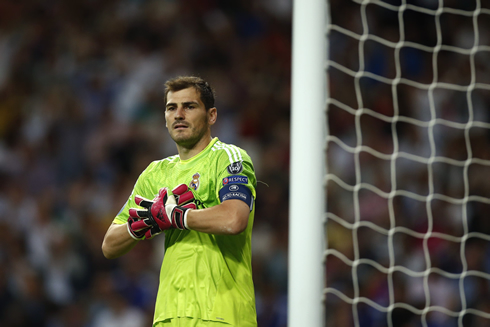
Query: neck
[189,152]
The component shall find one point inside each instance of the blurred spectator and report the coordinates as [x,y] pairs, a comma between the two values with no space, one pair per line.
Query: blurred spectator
[81,83]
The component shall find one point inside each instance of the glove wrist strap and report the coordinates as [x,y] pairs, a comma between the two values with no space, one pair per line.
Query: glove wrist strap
[185,220]
[133,234]
[179,217]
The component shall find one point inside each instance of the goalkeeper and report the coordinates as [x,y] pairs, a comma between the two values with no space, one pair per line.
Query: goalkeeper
[203,200]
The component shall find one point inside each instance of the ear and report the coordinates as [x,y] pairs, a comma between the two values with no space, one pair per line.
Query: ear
[212,116]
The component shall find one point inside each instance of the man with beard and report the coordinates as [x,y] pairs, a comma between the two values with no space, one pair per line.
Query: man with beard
[203,200]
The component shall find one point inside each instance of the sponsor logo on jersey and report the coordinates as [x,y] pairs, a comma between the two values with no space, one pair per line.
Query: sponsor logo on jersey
[235,168]
[238,179]
[194,184]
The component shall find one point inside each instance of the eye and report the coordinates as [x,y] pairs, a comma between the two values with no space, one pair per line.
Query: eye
[170,108]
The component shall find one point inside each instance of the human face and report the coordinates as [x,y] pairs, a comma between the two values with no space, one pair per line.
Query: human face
[188,122]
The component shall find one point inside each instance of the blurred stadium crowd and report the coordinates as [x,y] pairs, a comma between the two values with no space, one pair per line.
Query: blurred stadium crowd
[449,157]
[81,115]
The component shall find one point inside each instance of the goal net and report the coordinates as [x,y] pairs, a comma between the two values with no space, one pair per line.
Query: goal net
[407,179]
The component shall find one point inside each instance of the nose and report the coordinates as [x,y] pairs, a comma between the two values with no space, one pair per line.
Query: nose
[179,113]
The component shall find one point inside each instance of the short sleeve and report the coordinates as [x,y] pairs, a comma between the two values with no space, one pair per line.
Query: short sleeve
[236,178]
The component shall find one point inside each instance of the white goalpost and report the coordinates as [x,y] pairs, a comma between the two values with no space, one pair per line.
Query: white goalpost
[390,164]
[307,164]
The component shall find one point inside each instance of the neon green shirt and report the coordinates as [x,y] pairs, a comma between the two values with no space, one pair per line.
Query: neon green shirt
[203,275]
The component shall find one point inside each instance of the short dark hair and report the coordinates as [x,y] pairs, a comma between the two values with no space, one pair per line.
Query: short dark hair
[184,82]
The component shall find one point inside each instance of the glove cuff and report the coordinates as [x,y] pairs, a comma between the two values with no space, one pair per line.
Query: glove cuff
[179,217]
[136,236]
[186,212]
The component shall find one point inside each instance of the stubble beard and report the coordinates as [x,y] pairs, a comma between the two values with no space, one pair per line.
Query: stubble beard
[190,140]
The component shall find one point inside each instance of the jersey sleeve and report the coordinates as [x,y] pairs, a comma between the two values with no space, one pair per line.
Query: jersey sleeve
[236,177]
[142,188]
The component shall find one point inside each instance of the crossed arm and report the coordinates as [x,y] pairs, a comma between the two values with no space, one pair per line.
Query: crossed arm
[228,218]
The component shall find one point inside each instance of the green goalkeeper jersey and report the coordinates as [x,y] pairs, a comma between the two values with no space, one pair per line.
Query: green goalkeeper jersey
[204,276]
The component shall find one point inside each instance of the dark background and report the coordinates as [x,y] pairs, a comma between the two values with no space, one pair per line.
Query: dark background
[81,115]
[423,213]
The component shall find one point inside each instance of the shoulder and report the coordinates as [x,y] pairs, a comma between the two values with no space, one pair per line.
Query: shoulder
[158,165]
[232,160]
[229,153]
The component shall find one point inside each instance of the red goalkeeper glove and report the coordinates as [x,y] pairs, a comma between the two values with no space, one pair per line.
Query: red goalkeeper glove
[163,212]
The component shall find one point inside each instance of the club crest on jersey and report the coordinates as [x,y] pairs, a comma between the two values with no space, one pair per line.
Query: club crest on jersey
[235,168]
[194,184]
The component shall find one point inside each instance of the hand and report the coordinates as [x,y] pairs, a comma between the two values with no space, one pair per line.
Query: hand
[178,204]
[163,212]
[137,231]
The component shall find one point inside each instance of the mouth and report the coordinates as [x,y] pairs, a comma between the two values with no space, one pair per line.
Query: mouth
[179,126]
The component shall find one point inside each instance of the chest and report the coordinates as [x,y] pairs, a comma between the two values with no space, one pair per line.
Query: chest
[200,179]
